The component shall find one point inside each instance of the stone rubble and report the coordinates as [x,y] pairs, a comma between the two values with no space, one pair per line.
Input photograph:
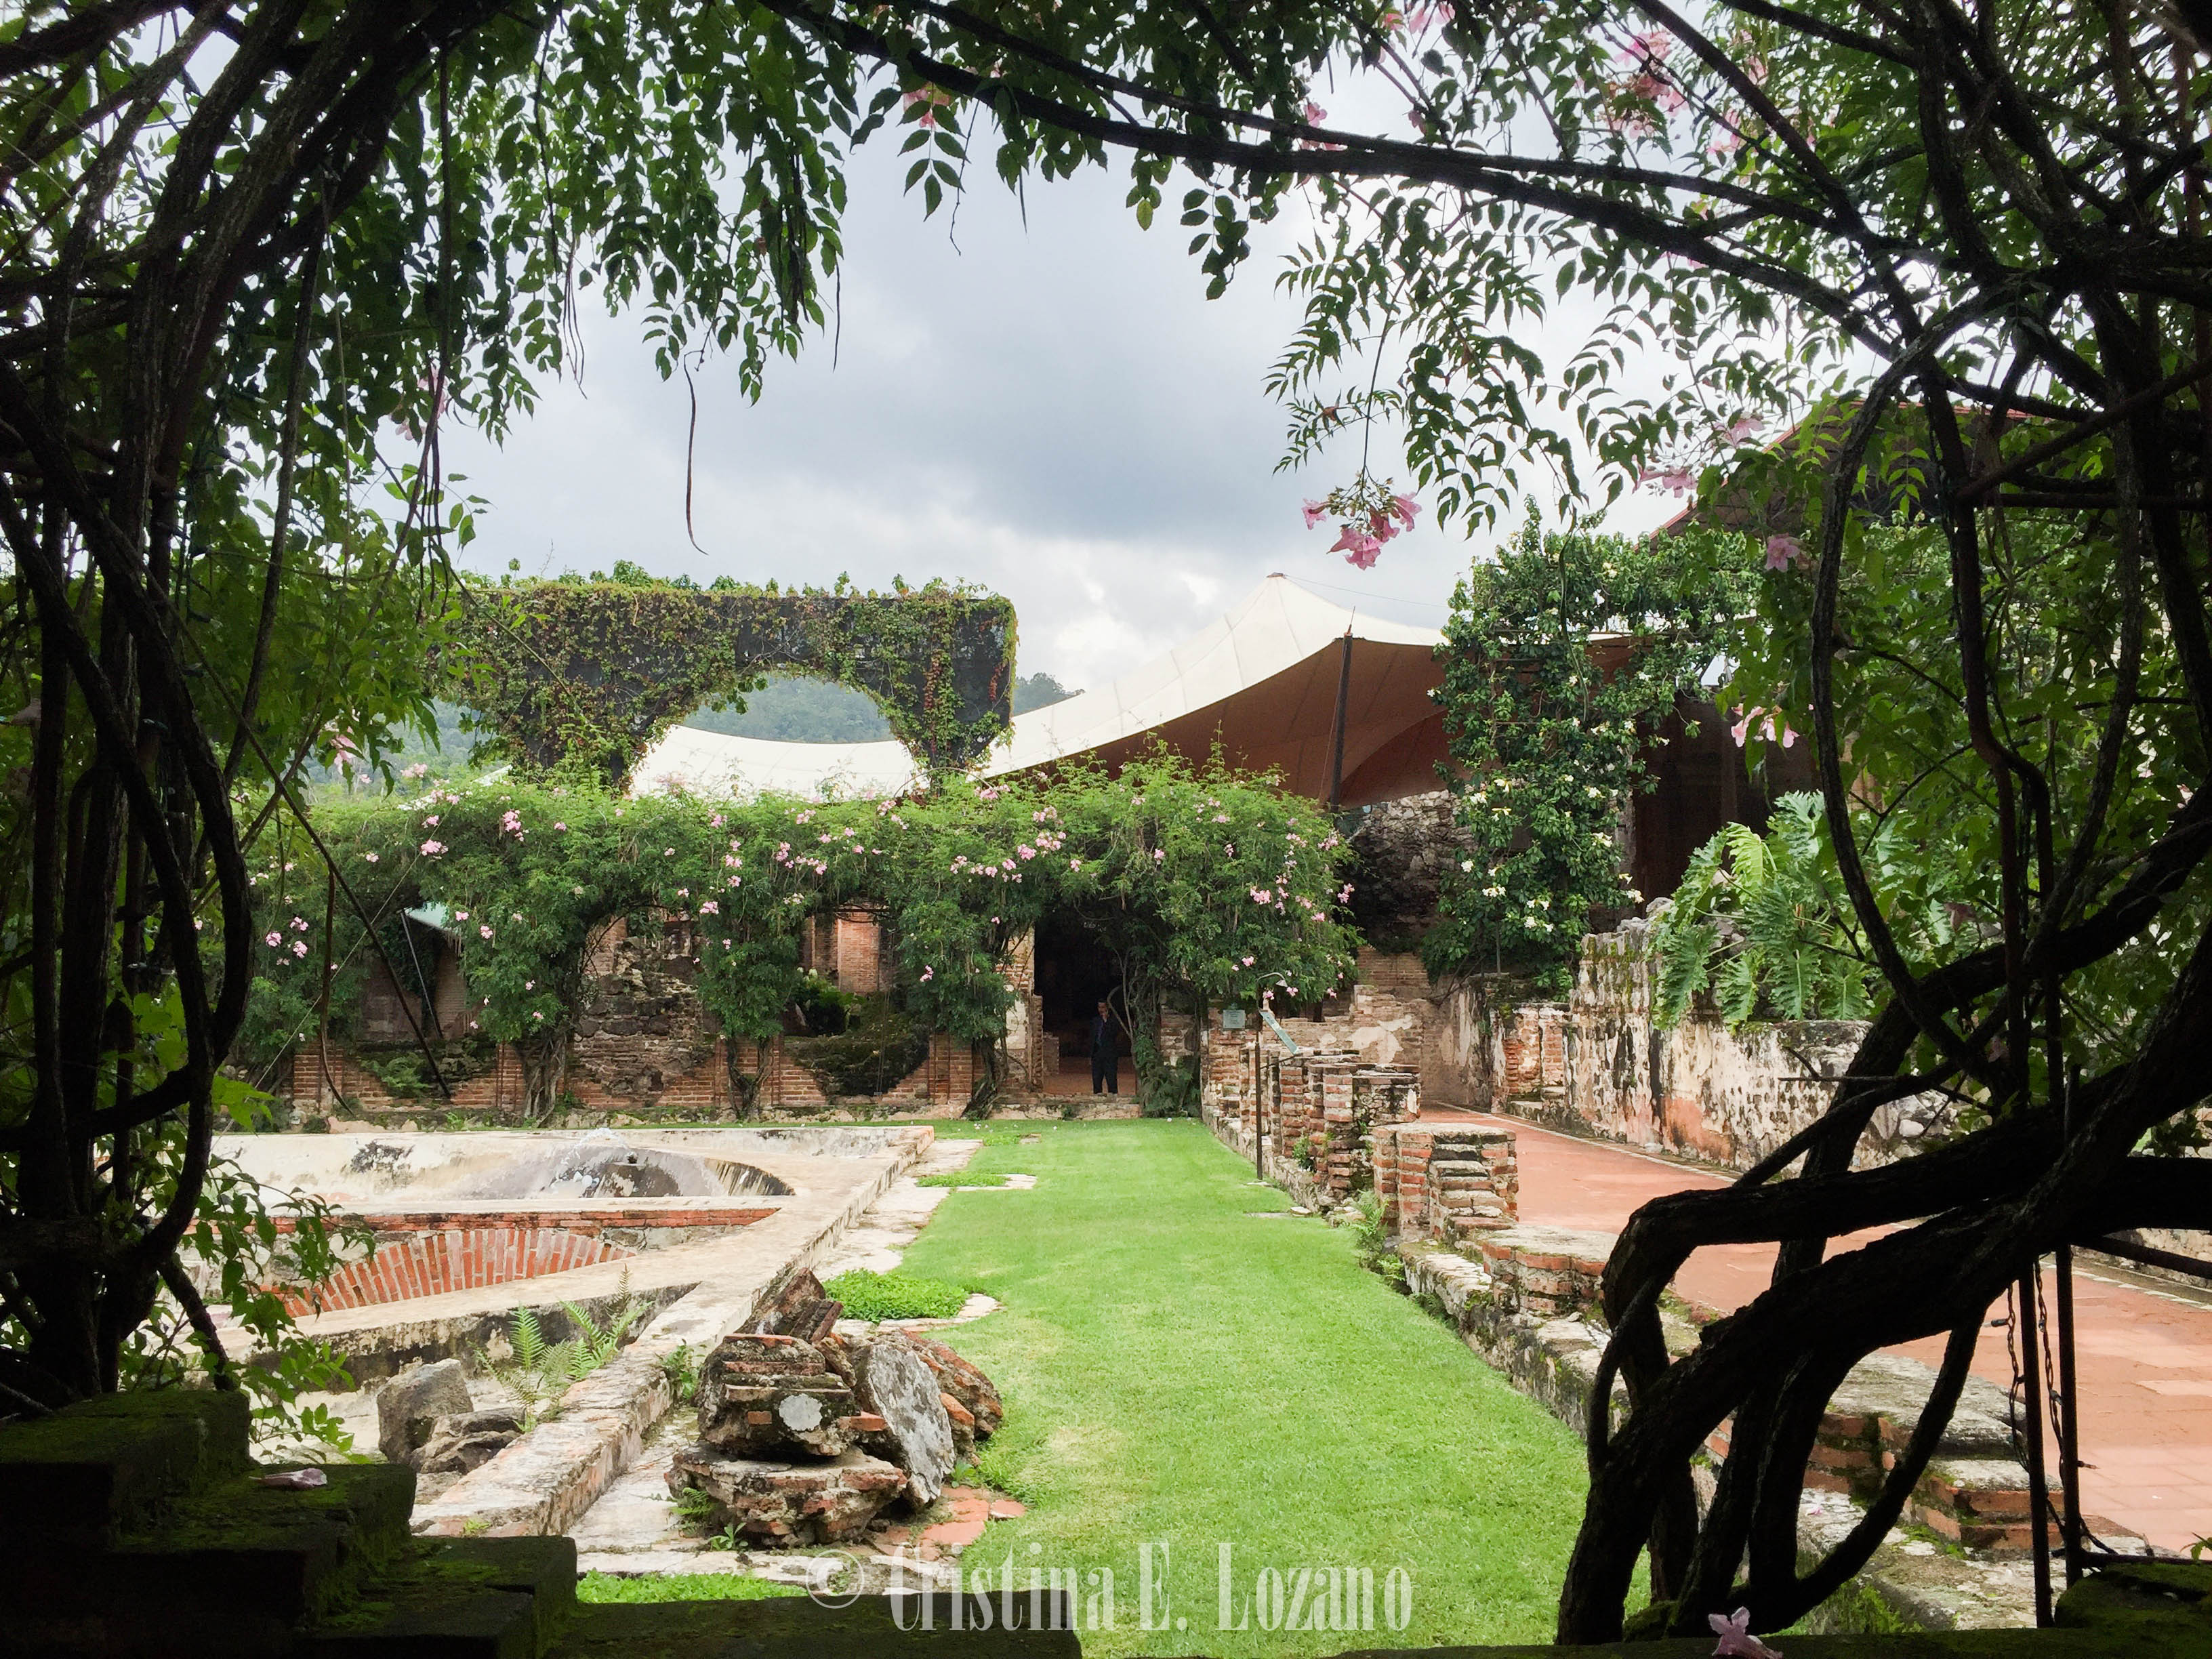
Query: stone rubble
[762,1394]
[465,1440]
[789,1501]
[806,1438]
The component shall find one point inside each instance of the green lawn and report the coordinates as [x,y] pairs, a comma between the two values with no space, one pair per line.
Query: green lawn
[1176,1371]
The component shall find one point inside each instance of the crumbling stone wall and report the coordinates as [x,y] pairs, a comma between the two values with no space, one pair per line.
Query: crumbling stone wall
[1401,853]
[640,1025]
[1597,1064]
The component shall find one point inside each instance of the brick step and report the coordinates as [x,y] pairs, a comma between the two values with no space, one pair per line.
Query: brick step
[461,1598]
[82,1477]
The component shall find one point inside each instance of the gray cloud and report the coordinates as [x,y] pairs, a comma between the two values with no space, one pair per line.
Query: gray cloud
[1051,409]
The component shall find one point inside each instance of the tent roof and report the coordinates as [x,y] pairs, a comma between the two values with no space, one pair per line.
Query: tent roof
[1263,678]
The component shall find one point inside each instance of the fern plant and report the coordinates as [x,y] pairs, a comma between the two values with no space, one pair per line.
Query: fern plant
[541,1372]
[1762,921]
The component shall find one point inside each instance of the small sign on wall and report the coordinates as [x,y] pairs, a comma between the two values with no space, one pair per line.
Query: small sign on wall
[1232,1019]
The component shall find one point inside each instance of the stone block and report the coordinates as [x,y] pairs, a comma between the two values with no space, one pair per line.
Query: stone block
[409,1405]
[964,1382]
[900,1391]
[763,1393]
[76,1478]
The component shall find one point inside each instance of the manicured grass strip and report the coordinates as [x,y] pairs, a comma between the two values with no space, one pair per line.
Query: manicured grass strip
[959,1178]
[895,1295]
[680,1587]
[1178,1371]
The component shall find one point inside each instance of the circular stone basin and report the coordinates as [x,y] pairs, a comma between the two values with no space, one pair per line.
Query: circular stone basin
[601,1170]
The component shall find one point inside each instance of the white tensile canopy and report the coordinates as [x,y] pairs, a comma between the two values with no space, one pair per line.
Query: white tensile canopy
[1264,679]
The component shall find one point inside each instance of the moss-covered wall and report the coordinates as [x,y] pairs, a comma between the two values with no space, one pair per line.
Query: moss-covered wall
[595,671]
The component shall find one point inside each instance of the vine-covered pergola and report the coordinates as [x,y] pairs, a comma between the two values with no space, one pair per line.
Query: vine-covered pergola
[597,672]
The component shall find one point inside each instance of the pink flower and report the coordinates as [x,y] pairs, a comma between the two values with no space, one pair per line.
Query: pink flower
[1359,548]
[1315,512]
[928,974]
[1315,115]
[1027,851]
[274,940]
[1745,428]
[709,907]
[1248,962]
[299,947]
[1673,478]
[1406,508]
[415,771]
[1736,1639]
[1075,864]
[483,930]
[432,848]
[371,856]
[1781,551]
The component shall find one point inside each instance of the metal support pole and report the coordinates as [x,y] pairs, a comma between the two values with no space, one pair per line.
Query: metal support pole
[1343,700]
[2030,1369]
[2069,1425]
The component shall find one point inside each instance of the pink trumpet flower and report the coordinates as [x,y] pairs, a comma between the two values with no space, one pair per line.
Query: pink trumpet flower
[1736,1640]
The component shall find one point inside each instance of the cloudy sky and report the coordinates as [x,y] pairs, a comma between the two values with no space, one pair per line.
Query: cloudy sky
[1049,408]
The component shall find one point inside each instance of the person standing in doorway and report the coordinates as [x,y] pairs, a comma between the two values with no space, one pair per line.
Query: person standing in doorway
[1105,1062]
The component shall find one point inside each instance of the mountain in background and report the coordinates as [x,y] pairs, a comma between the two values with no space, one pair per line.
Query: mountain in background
[791,708]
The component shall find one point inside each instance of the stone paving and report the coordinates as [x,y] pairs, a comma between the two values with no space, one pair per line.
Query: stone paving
[2143,1347]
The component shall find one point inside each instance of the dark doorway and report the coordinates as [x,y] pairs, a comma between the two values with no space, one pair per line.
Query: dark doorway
[1074,973]
[1702,785]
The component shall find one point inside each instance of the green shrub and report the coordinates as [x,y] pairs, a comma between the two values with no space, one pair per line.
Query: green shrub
[895,1295]
[956,1178]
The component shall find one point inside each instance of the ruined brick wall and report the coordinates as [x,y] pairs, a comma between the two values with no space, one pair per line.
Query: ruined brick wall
[1445,1182]
[1308,1119]
[1597,1064]
[340,1084]
[643,1037]
[1401,852]
[856,961]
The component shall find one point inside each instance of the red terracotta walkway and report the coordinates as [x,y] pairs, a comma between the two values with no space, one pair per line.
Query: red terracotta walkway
[2143,1349]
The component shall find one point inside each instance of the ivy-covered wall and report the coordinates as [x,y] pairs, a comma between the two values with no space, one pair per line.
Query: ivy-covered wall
[570,670]
[1203,884]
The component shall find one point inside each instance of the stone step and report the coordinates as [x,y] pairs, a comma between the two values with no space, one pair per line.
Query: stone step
[463,1598]
[795,1627]
[259,1560]
[80,1478]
